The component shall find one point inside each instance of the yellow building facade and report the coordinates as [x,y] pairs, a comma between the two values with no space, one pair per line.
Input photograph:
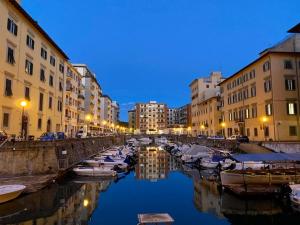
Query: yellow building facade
[32,75]
[206,117]
[262,99]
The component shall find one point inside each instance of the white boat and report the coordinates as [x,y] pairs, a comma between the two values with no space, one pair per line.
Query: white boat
[295,194]
[145,141]
[161,140]
[95,171]
[208,164]
[100,163]
[10,192]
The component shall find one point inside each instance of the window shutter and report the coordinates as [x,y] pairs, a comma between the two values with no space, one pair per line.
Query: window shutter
[286,84]
[16,30]
[295,108]
[8,24]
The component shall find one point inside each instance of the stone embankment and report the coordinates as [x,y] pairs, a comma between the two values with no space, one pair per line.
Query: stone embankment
[36,163]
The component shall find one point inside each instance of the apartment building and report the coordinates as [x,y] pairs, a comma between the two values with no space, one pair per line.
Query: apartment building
[173,119]
[33,75]
[115,112]
[184,115]
[74,101]
[262,99]
[203,89]
[92,98]
[132,119]
[107,113]
[208,117]
[151,117]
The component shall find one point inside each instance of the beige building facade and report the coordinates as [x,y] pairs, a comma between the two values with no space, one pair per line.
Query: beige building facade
[201,90]
[32,73]
[151,117]
[262,99]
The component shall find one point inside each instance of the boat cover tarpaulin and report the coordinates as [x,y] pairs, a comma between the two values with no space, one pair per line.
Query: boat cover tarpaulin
[268,157]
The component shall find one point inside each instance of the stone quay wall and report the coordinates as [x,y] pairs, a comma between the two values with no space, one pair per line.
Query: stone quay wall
[53,157]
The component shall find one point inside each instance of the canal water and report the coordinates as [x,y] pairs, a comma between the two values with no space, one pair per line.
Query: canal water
[157,184]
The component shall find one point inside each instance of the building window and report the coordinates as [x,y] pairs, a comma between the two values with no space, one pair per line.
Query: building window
[288,64]
[61,86]
[267,85]
[41,102]
[5,122]
[266,66]
[42,75]
[61,68]
[291,108]
[253,91]
[255,132]
[247,113]
[40,123]
[28,67]
[30,42]
[252,74]
[51,80]
[8,87]
[268,109]
[267,131]
[293,130]
[12,27]
[27,93]
[52,60]
[59,106]
[50,102]
[290,84]
[10,55]
[254,111]
[43,53]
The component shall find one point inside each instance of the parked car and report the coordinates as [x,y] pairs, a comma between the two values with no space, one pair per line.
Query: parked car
[52,136]
[216,137]
[3,136]
[242,139]
[233,137]
[202,137]
[82,134]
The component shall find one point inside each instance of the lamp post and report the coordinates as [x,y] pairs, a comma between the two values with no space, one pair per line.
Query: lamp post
[264,120]
[202,127]
[223,125]
[88,119]
[23,104]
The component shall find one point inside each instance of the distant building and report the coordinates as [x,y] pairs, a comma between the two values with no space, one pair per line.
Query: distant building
[172,117]
[115,112]
[106,110]
[132,119]
[202,89]
[92,95]
[179,117]
[151,117]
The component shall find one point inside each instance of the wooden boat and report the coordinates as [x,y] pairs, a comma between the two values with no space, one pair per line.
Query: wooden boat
[260,177]
[10,192]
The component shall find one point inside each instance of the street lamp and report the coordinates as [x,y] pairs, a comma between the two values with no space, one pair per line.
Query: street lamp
[202,127]
[88,118]
[264,120]
[23,104]
[223,125]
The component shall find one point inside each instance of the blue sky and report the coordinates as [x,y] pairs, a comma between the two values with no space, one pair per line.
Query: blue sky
[145,50]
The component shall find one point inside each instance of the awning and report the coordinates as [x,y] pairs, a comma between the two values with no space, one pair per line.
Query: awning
[269,157]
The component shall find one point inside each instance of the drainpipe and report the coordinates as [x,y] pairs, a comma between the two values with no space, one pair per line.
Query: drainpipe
[273,111]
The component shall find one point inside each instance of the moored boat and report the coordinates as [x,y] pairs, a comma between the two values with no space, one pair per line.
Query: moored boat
[95,171]
[295,194]
[10,192]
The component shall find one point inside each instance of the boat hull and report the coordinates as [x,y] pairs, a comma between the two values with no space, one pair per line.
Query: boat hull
[95,173]
[229,178]
[11,195]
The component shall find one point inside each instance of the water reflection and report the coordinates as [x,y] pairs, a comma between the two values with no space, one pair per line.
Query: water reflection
[71,203]
[154,163]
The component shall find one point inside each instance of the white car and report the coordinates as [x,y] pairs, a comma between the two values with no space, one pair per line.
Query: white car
[233,137]
[217,137]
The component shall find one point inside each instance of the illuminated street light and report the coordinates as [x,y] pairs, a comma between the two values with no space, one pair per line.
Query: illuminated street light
[88,119]
[23,104]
